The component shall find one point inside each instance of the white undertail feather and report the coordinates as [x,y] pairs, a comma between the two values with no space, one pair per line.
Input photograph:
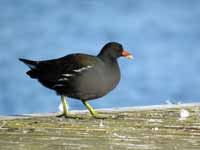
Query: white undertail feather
[31,66]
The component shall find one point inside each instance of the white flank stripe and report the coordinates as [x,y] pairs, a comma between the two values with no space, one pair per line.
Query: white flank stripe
[67,75]
[57,85]
[62,79]
[89,67]
[82,69]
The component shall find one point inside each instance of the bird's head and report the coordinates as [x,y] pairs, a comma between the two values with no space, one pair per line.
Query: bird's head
[114,50]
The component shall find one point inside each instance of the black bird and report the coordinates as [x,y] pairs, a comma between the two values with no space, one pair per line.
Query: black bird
[80,76]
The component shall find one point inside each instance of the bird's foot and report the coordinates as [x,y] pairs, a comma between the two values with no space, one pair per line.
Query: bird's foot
[70,116]
[97,116]
[101,116]
[106,116]
[62,115]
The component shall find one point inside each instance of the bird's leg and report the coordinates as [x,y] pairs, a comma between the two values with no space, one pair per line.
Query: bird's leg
[91,110]
[95,114]
[65,107]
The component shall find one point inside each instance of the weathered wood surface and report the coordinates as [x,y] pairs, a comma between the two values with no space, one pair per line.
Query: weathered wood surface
[145,128]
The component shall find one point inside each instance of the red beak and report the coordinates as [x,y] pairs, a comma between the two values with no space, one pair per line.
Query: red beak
[126,54]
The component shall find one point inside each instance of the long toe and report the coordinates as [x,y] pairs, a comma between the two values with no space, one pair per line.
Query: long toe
[103,116]
[62,115]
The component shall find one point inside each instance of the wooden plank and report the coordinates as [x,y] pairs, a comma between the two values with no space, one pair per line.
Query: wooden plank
[155,127]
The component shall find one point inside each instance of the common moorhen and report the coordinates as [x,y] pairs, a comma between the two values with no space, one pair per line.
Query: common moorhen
[80,76]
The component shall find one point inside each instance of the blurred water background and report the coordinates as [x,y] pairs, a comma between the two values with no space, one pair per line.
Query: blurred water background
[163,36]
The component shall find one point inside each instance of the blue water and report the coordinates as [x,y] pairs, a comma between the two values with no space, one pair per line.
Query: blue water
[163,36]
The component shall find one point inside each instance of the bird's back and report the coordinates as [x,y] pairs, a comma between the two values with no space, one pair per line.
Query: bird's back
[78,76]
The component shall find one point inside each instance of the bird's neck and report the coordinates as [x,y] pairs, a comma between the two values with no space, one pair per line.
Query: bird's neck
[110,63]
[107,58]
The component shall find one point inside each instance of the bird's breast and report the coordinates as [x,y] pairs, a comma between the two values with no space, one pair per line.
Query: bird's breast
[97,82]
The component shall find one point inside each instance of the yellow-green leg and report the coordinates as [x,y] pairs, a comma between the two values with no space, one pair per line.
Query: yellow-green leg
[91,110]
[65,107]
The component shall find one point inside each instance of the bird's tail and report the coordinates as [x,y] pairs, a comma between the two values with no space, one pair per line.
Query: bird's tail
[30,63]
[34,66]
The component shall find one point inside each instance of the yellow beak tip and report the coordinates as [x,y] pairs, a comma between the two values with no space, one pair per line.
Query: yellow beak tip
[129,57]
